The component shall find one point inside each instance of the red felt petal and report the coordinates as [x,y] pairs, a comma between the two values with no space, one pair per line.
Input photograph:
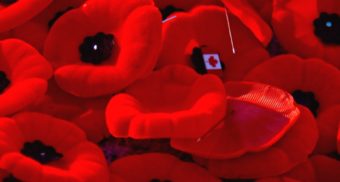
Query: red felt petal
[158,166]
[338,139]
[328,122]
[35,30]
[167,103]
[21,94]
[257,117]
[250,19]
[20,12]
[185,5]
[291,150]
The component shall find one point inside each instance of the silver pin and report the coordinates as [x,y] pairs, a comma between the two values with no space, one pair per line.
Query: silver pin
[168,19]
[230,33]
[209,131]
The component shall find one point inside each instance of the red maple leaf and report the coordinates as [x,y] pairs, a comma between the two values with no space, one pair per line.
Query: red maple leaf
[212,61]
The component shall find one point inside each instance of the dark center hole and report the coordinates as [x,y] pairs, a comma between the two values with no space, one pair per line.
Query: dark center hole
[306,99]
[4,82]
[327,28]
[7,2]
[197,61]
[40,152]
[158,180]
[10,178]
[98,48]
[57,16]
[167,11]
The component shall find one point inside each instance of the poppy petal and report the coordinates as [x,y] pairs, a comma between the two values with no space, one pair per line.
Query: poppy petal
[19,12]
[167,103]
[150,166]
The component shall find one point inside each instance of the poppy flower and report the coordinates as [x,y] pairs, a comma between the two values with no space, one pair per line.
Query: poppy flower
[252,123]
[186,40]
[309,29]
[292,149]
[172,102]
[23,76]
[313,83]
[170,7]
[35,30]
[156,167]
[317,168]
[16,12]
[94,58]
[87,114]
[38,147]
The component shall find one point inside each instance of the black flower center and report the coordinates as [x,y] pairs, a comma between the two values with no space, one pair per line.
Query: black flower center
[4,82]
[158,180]
[40,152]
[327,28]
[98,48]
[167,11]
[306,99]
[7,2]
[197,61]
[57,16]
[10,178]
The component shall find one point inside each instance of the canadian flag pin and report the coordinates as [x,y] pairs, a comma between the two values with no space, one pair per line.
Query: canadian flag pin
[212,61]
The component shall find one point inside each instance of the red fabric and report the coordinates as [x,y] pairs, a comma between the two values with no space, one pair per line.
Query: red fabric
[35,30]
[338,139]
[328,122]
[257,117]
[137,29]
[87,114]
[28,72]
[172,102]
[81,160]
[250,18]
[293,25]
[264,8]
[19,12]
[292,149]
[317,168]
[189,30]
[185,5]
[150,166]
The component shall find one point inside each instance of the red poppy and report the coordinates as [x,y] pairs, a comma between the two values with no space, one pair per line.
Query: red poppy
[169,7]
[318,168]
[253,123]
[155,167]
[16,12]
[23,76]
[35,30]
[309,29]
[93,57]
[292,149]
[87,114]
[37,147]
[172,102]
[313,83]
[186,40]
